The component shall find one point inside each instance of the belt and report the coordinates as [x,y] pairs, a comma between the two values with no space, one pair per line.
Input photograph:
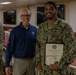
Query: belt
[26,58]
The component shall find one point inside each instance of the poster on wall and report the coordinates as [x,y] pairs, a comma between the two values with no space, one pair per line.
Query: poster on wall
[41,17]
[9,17]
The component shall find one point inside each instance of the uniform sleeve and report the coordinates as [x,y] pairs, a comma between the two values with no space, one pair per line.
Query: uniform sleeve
[1,37]
[1,45]
[1,40]
[69,53]
[9,48]
[38,52]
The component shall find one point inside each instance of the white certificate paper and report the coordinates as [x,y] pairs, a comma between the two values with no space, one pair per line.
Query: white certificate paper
[53,53]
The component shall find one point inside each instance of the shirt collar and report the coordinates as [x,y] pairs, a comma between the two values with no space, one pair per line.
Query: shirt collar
[24,27]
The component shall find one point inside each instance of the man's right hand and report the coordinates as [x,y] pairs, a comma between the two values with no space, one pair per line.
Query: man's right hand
[39,67]
[8,71]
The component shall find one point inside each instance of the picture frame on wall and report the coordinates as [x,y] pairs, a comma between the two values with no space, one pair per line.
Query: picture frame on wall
[9,17]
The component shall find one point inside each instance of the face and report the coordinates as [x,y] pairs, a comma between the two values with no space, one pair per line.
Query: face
[50,11]
[25,16]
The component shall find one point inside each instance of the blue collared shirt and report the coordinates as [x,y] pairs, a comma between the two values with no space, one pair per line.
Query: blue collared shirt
[21,43]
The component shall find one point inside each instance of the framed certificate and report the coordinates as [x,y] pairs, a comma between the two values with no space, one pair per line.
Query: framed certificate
[53,53]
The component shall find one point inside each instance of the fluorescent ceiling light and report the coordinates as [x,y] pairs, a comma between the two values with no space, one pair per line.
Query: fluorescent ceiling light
[6,3]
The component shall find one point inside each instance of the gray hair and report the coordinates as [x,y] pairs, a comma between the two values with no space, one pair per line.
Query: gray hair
[26,9]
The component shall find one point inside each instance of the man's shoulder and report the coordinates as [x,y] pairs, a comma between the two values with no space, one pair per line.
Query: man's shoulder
[43,23]
[34,27]
[63,23]
[18,26]
[15,28]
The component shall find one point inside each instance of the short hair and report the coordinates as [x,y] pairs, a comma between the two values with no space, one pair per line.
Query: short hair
[53,3]
[26,9]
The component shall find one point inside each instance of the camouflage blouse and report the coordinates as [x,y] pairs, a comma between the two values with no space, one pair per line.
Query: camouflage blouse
[58,32]
[1,49]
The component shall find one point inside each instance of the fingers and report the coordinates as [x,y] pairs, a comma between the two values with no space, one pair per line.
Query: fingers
[39,67]
[53,67]
[56,62]
[8,71]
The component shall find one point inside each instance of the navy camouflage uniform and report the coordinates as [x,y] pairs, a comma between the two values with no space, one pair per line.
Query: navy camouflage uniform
[58,32]
[1,49]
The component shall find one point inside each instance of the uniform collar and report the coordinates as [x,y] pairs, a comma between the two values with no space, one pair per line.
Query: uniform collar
[52,25]
[57,20]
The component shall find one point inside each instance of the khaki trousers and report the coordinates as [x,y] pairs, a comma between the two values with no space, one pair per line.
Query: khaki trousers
[24,67]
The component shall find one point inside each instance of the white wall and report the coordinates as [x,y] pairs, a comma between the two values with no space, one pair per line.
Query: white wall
[34,15]
[70,14]
[33,20]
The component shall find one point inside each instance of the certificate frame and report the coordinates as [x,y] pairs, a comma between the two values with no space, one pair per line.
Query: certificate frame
[53,52]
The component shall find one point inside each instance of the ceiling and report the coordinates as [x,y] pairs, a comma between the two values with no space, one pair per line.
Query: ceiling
[19,3]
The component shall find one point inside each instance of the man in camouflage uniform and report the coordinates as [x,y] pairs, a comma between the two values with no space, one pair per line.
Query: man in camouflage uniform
[55,30]
[1,49]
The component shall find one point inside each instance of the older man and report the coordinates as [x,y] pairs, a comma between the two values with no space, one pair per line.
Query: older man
[21,45]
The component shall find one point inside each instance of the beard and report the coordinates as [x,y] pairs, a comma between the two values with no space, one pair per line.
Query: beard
[50,16]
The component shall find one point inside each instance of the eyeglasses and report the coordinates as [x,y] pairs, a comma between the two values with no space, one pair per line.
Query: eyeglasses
[26,15]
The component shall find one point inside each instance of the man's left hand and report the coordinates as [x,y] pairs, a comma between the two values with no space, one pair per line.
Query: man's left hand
[53,67]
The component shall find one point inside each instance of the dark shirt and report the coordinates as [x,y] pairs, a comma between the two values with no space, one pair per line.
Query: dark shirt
[21,43]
